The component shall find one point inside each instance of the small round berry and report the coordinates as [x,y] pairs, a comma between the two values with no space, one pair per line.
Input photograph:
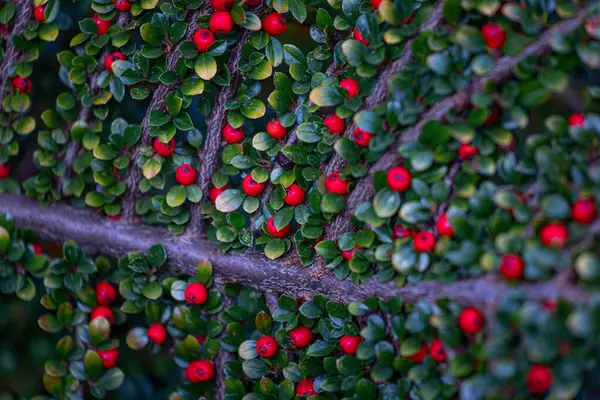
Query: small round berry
[334,123]
[443,226]
[554,234]
[376,3]
[103,312]
[164,149]
[203,39]
[215,192]
[550,305]
[493,117]
[21,85]
[200,371]
[357,35]
[420,355]
[424,242]
[251,187]
[185,175]
[584,210]
[157,333]
[470,320]
[274,24]
[101,24]
[105,293]
[233,135]
[300,337]
[109,358]
[350,86]
[349,344]
[305,388]
[275,129]
[437,351]
[539,379]
[273,231]
[266,346]
[399,179]
[577,120]
[195,293]
[400,232]
[511,267]
[122,5]
[37,249]
[221,22]
[362,137]
[222,5]
[467,151]
[38,13]
[335,184]
[111,58]
[493,36]
[294,195]
[5,170]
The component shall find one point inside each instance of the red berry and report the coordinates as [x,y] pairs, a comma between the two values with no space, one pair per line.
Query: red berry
[157,333]
[350,86]
[196,293]
[493,36]
[221,22]
[511,266]
[376,3]
[470,320]
[200,371]
[38,13]
[164,149]
[109,358]
[300,337]
[305,388]
[399,179]
[361,137]
[251,187]
[103,312]
[105,293]
[348,254]
[577,120]
[222,5]
[539,379]
[493,117]
[21,85]
[200,339]
[274,24]
[554,234]
[400,232]
[233,135]
[122,5]
[437,351]
[584,210]
[443,226]
[335,184]
[334,123]
[357,35]
[101,24]
[5,170]
[283,232]
[424,242]
[185,175]
[467,151]
[37,248]
[111,58]
[349,344]
[275,129]
[294,195]
[252,3]
[550,305]
[420,355]
[266,346]
[203,39]
[114,217]
[215,192]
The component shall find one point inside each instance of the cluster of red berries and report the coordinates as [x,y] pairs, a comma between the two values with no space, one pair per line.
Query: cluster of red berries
[105,295]
[21,85]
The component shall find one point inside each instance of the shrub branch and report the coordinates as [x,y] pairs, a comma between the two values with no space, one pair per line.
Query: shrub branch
[11,54]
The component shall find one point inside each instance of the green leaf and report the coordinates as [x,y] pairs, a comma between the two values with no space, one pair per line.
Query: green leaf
[111,379]
[253,109]
[298,10]
[205,66]
[176,196]
[230,200]
[326,96]
[320,348]
[386,203]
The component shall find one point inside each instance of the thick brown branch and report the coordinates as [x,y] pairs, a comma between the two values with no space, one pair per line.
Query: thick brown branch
[95,234]
[11,54]
[134,176]
[365,190]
